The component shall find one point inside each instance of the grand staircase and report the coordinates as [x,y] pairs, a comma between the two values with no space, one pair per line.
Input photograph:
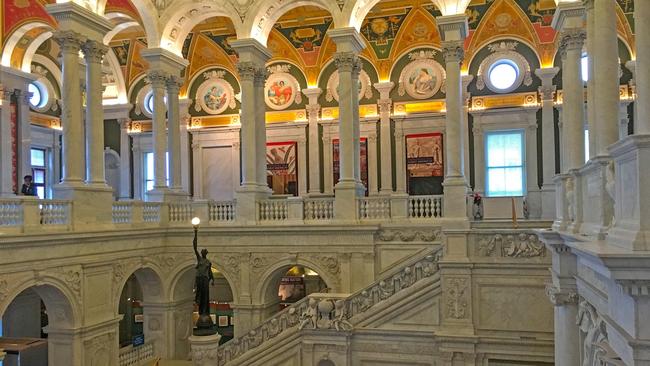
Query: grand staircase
[334,315]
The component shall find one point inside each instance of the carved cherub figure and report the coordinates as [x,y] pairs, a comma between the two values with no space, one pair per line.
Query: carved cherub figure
[310,316]
[340,322]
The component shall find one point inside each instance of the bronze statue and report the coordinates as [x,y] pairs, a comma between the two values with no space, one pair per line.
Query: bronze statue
[202,282]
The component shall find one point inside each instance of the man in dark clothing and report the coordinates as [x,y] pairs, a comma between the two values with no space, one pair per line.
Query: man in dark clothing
[28,187]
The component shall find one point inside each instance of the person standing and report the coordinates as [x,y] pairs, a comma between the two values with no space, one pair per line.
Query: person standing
[28,188]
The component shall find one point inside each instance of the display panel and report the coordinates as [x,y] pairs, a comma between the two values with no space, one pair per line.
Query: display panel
[281,167]
[424,163]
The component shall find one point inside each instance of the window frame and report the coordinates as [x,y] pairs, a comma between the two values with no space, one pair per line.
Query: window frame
[145,170]
[41,168]
[515,84]
[522,134]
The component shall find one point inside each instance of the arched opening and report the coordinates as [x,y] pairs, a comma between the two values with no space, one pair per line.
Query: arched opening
[290,284]
[35,328]
[221,309]
[141,292]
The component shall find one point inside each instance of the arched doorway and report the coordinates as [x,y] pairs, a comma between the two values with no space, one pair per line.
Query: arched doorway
[222,298]
[35,327]
[141,293]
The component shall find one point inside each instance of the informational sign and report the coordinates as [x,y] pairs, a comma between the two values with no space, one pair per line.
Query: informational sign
[363,152]
[424,163]
[292,289]
[281,167]
[138,340]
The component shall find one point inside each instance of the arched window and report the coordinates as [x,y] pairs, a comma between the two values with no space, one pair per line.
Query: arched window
[503,75]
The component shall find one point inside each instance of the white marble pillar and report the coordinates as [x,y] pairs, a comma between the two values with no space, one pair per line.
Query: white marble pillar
[348,45]
[23,134]
[173,84]
[400,158]
[454,29]
[606,68]
[6,168]
[547,93]
[479,156]
[259,81]
[248,133]
[185,119]
[385,136]
[591,85]
[642,73]
[571,43]
[465,125]
[94,53]
[159,141]
[302,166]
[373,186]
[71,119]
[328,163]
[125,159]
[313,108]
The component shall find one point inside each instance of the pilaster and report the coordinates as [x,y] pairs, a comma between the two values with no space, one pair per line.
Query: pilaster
[386,138]
[313,108]
[547,94]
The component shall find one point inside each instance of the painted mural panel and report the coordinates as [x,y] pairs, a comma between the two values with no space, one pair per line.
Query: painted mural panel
[424,163]
[282,168]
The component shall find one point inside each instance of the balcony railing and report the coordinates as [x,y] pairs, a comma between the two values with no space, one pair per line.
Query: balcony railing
[29,215]
[135,356]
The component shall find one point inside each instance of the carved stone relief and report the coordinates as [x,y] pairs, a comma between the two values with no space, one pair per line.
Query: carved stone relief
[408,235]
[457,298]
[522,245]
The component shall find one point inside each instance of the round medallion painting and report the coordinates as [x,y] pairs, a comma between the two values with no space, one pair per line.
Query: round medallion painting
[281,91]
[365,91]
[215,96]
[421,79]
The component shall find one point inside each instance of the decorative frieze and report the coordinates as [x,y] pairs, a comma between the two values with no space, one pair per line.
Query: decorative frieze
[408,235]
[456,292]
[522,245]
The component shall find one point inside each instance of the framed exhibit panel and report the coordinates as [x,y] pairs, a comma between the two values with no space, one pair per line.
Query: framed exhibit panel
[282,168]
[424,163]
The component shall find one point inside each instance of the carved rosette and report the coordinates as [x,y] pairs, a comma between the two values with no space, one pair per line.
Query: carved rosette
[69,41]
[348,62]
[94,51]
[572,39]
[453,51]
[559,297]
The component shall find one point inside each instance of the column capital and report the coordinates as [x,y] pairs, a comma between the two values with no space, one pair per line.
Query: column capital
[261,74]
[94,51]
[384,105]
[157,78]
[69,41]
[6,95]
[173,84]
[248,70]
[561,297]
[547,92]
[572,39]
[384,89]
[453,27]
[453,51]
[313,109]
[124,123]
[347,62]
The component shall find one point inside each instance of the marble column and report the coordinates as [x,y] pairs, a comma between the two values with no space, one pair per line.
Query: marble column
[173,84]
[571,42]
[6,165]
[400,159]
[94,53]
[465,125]
[313,108]
[373,187]
[24,134]
[158,80]
[185,120]
[71,119]
[642,77]
[125,159]
[547,94]
[591,85]
[479,154]
[302,166]
[454,29]
[385,136]
[606,68]
[348,45]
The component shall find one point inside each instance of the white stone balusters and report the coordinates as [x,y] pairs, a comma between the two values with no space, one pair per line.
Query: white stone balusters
[385,136]
[348,45]
[313,108]
[454,29]
[547,94]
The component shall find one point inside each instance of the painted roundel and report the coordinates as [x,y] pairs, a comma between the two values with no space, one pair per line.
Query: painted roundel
[365,91]
[281,91]
[421,79]
[215,95]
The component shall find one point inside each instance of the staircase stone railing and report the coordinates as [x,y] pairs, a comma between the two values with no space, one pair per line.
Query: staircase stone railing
[424,207]
[135,356]
[331,311]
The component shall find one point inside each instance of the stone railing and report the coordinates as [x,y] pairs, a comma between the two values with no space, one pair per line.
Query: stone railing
[135,356]
[11,212]
[180,212]
[318,209]
[374,208]
[123,212]
[273,210]
[331,311]
[151,212]
[424,207]
[221,211]
[55,212]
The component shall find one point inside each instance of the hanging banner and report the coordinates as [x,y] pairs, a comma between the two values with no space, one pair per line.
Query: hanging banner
[424,163]
[363,152]
[281,167]
[14,145]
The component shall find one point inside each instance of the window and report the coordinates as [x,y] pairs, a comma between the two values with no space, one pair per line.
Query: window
[38,171]
[586,145]
[584,65]
[149,171]
[39,96]
[504,151]
[148,102]
[503,75]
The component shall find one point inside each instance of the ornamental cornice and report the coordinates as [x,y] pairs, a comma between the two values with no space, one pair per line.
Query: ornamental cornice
[453,51]
[635,288]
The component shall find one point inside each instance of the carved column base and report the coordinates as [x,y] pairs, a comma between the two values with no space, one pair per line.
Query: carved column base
[204,349]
